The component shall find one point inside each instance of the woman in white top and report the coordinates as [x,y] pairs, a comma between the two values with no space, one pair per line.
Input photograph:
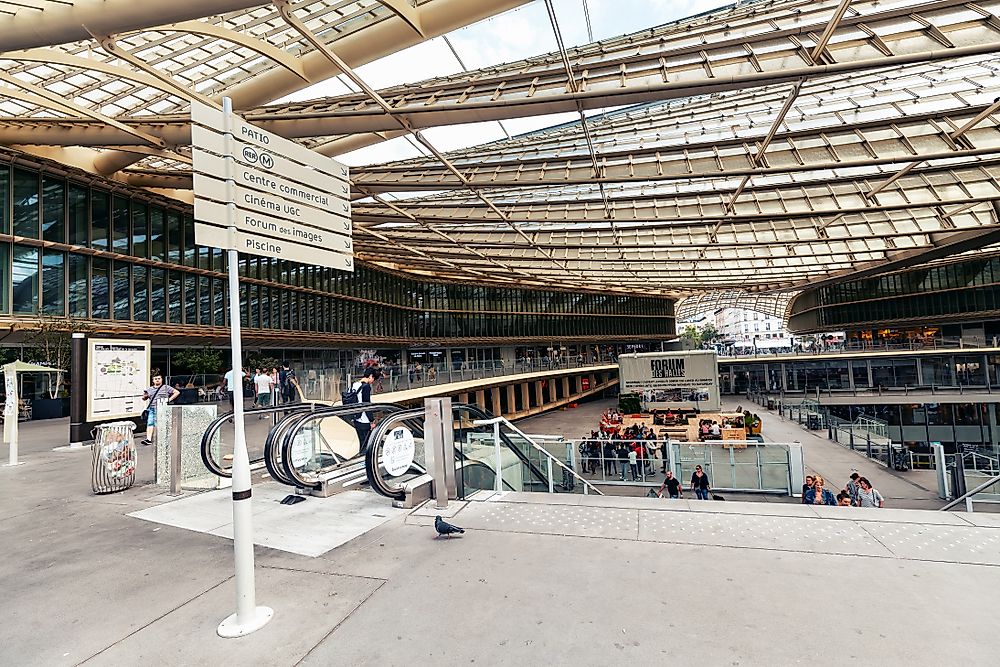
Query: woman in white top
[868,495]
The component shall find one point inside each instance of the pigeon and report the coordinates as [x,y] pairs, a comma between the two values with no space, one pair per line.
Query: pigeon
[444,528]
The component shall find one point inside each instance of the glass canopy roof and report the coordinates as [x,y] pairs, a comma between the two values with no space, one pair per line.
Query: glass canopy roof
[753,149]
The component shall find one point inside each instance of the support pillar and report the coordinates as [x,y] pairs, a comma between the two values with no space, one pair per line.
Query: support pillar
[511,401]
[495,400]
[565,387]
[539,399]
[525,397]
[481,398]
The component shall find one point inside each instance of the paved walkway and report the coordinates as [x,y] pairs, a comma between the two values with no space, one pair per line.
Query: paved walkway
[568,580]
[912,489]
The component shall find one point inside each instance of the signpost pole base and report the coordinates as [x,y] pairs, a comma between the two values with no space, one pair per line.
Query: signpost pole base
[232,627]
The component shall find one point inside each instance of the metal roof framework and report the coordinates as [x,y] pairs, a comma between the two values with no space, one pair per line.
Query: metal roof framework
[764,147]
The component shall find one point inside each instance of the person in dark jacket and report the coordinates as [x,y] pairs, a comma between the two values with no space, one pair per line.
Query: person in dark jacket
[817,495]
[700,484]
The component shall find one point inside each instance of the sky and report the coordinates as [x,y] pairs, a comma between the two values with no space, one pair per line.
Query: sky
[513,35]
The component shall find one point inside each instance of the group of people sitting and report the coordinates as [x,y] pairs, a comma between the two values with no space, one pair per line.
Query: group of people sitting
[611,421]
[858,492]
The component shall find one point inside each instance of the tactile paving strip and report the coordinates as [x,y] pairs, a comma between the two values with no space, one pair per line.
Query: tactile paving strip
[552,519]
[761,532]
[953,544]
[910,541]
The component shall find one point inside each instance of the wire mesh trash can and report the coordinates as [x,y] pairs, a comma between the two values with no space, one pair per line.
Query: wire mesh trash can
[114,458]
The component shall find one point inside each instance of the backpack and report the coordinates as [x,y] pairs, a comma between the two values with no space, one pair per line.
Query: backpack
[352,396]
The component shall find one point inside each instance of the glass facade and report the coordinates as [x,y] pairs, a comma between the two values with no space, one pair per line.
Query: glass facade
[957,290]
[120,258]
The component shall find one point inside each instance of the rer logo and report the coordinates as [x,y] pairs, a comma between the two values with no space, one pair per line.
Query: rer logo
[249,154]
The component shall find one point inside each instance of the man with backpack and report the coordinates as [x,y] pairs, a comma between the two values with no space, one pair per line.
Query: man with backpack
[289,383]
[361,392]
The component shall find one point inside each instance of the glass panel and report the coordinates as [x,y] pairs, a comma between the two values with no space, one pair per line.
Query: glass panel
[100,288]
[121,227]
[4,202]
[174,235]
[26,204]
[190,299]
[174,297]
[140,293]
[54,209]
[54,283]
[78,290]
[79,215]
[157,241]
[24,277]
[158,295]
[4,277]
[122,291]
[100,219]
[140,229]
[205,300]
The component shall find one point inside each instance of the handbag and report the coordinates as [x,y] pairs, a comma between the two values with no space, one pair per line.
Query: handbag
[145,413]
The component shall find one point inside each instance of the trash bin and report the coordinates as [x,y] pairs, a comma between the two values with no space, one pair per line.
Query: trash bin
[114,457]
[812,421]
[770,404]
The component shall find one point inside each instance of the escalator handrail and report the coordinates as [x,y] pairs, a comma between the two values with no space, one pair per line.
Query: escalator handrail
[372,451]
[295,423]
[213,429]
[547,453]
[378,434]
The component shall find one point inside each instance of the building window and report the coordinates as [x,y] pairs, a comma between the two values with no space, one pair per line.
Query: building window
[26,204]
[122,291]
[100,219]
[54,283]
[100,289]
[79,291]
[53,210]
[4,277]
[140,293]
[79,216]
[121,225]
[24,279]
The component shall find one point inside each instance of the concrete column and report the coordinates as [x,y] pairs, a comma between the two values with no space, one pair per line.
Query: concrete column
[525,397]
[552,390]
[511,400]
[495,400]
[565,386]
[481,398]
[539,400]
[463,397]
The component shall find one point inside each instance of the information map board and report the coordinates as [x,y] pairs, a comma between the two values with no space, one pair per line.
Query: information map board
[677,380]
[117,375]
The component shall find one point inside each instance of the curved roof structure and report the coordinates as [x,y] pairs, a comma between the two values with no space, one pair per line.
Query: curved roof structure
[759,148]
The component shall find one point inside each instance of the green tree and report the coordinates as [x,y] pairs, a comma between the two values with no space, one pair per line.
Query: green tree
[199,360]
[51,345]
[261,360]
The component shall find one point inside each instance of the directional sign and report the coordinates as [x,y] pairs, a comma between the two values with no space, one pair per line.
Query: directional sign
[207,187]
[265,225]
[258,193]
[269,142]
[255,244]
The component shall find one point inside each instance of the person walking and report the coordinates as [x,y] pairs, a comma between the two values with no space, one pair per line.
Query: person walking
[362,391]
[868,496]
[854,489]
[233,387]
[621,453]
[807,487]
[263,386]
[289,383]
[633,463]
[817,495]
[155,394]
[672,486]
[700,484]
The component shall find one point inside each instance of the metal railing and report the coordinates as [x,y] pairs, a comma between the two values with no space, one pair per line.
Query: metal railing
[861,347]
[738,466]
[967,497]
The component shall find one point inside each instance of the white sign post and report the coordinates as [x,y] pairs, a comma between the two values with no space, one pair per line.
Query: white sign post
[261,194]
[10,412]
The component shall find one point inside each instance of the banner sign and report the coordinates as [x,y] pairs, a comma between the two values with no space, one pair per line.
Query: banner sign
[677,380]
